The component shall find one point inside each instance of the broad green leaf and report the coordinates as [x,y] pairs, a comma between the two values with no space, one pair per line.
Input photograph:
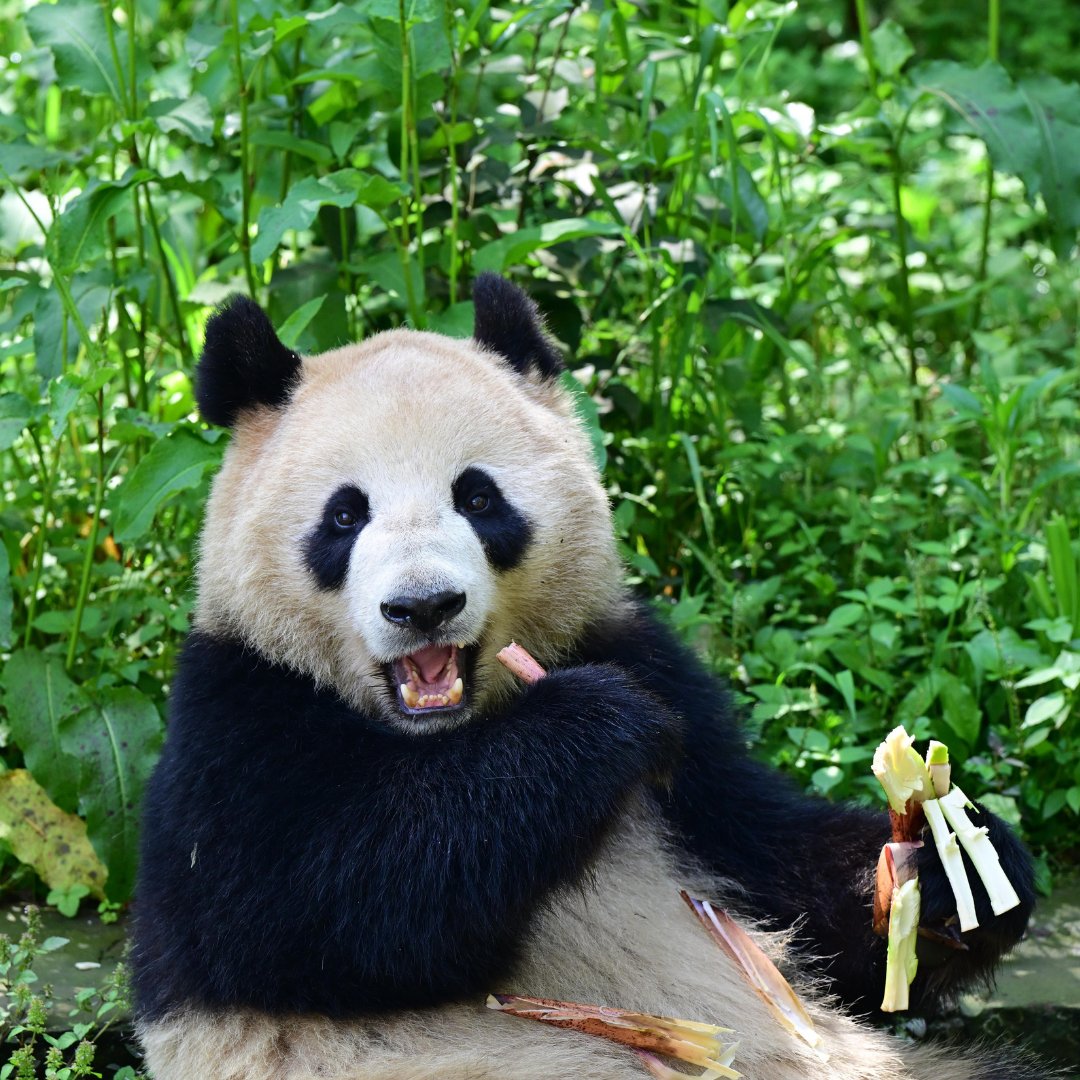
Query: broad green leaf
[282,140]
[892,48]
[74,32]
[844,615]
[1002,652]
[23,157]
[512,249]
[44,837]
[189,116]
[371,189]
[826,778]
[175,463]
[959,708]
[117,741]
[15,414]
[77,236]
[1053,802]
[64,392]
[1032,129]
[290,330]
[296,212]
[807,738]
[456,321]
[49,321]
[918,700]
[40,699]
[963,400]
[1050,707]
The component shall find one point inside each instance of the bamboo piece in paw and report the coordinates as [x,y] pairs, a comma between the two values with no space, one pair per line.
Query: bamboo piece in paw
[518,661]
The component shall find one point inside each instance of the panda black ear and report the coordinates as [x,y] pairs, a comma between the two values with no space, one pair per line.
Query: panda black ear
[243,363]
[508,322]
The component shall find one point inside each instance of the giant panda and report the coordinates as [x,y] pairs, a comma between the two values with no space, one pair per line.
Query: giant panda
[361,823]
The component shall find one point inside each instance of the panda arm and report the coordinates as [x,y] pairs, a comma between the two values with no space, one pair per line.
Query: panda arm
[322,862]
[799,860]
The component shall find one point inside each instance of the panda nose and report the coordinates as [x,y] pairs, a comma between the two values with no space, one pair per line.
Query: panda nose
[424,613]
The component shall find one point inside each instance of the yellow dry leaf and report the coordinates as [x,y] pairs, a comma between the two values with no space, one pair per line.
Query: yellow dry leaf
[47,838]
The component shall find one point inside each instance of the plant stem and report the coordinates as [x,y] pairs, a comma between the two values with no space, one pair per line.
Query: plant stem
[91,540]
[170,284]
[407,137]
[867,44]
[245,175]
[47,486]
[906,311]
[993,40]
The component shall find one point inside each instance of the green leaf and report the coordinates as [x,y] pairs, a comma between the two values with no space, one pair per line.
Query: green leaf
[1032,130]
[817,742]
[456,321]
[963,400]
[175,463]
[844,615]
[1054,801]
[283,140]
[892,48]
[15,414]
[290,330]
[118,742]
[43,836]
[1050,707]
[40,698]
[918,700]
[64,392]
[296,212]
[22,157]
[189,116]
[74,32]
[1003,653]
[508,250]
[77,236]
[415,10]
[960,710]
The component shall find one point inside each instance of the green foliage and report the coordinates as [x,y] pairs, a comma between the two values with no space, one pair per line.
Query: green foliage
[37,1049]
[828,355]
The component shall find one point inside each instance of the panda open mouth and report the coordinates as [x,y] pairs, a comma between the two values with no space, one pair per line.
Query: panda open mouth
[432,679]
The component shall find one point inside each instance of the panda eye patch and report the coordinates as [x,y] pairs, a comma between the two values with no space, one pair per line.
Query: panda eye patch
[503,531]
[328,547]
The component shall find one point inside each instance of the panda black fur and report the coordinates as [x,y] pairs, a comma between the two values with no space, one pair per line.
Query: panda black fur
[333,878]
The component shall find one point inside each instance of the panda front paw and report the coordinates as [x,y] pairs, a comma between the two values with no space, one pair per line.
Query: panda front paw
[949,961]
[605,707]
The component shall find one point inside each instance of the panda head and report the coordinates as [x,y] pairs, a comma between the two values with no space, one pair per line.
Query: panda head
[390,514]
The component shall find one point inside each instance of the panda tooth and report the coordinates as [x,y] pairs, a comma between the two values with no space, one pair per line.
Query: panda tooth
[410,696]
[453,695]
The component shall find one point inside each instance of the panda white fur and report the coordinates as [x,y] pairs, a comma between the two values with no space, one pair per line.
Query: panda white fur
[346,848]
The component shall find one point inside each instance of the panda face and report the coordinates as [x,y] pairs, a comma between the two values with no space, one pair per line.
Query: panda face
[415,505]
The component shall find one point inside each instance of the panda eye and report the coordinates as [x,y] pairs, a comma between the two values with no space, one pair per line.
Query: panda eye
[344,519]
[478,503]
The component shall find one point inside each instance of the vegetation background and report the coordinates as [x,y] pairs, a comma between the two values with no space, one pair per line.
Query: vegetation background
[815,269]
